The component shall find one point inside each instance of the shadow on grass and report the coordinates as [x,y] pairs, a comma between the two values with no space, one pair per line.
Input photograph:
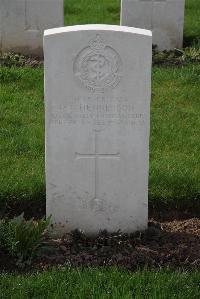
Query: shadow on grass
[190,40]
[179,209]
[33,206]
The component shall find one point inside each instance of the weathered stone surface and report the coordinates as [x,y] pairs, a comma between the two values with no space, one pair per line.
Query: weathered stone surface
[97,93]
[24,21]
[164,17]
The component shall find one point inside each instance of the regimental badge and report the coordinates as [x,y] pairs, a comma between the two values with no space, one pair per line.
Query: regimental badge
[98,66]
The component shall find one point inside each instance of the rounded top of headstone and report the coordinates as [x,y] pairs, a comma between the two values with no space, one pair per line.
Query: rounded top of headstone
[94,27]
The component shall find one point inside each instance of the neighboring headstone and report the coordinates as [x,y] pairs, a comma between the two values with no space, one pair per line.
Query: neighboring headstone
[24,21]
[97,93]
[164,17]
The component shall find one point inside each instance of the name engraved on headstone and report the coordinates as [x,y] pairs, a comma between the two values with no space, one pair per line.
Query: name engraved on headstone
[100,112]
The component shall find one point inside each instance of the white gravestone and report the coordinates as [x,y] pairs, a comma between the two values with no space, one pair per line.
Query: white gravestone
[23,23]
[164,17]
[97,93]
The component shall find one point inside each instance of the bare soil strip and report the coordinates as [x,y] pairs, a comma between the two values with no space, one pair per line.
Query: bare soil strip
[174,244]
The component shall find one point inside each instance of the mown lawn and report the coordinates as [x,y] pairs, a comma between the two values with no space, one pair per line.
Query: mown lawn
[192,22]
[99,284]
[175,137]
[92,12]
[22,135]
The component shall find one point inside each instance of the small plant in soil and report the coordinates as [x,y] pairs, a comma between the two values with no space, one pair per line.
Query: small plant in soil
[22,239]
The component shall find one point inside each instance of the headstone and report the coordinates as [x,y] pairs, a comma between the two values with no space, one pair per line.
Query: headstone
[97,93]
[24,21]
[164,17]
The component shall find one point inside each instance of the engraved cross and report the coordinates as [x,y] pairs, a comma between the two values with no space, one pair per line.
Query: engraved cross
[30,25]
[96,155]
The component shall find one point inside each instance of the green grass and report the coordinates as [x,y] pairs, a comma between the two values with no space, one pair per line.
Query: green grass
[192,22]
[22,134]
[99,284]
[92,12]
[175,138]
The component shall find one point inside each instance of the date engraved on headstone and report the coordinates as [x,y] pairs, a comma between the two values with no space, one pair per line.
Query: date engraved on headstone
[98,66]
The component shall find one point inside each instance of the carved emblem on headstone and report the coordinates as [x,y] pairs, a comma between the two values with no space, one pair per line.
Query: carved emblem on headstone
[98,66]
